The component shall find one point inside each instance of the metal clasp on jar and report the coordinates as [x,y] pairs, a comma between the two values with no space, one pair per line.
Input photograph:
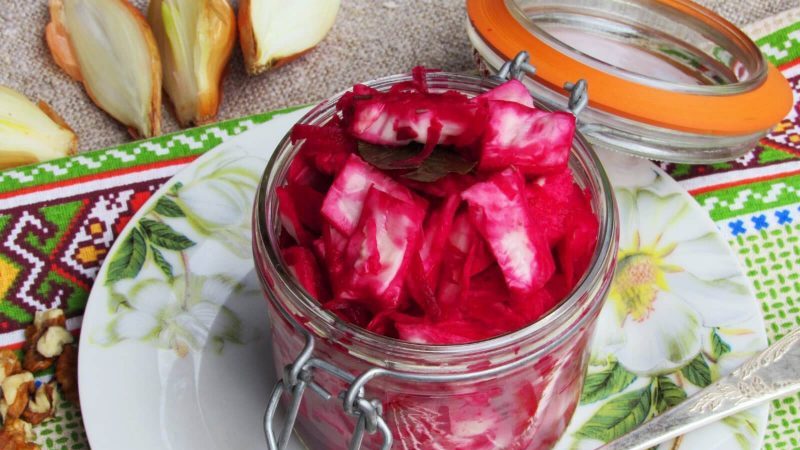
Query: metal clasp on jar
[299,376]
[520,66]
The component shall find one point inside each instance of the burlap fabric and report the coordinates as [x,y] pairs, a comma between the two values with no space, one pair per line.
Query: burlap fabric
[371,38]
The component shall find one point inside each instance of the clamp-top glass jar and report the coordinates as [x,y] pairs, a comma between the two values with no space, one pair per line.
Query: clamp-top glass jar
[515,391]
[669,79]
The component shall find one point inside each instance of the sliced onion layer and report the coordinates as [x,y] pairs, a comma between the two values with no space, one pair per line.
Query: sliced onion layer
[108,45]
[31,133]
[273,32]
[195,38]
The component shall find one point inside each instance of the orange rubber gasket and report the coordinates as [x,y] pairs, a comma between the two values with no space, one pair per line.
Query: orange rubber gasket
[746,113]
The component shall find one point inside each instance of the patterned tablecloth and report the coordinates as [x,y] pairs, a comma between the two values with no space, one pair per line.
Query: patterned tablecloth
[58,220]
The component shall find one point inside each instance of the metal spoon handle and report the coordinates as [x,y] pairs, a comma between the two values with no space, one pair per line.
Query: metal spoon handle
[771,374]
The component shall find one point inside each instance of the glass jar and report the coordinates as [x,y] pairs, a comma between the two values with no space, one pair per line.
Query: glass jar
[515,391]
[668,79]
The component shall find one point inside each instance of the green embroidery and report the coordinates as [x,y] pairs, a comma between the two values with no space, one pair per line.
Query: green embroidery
[775,47]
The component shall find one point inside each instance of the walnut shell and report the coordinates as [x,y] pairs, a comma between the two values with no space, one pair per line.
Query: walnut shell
[9,363]
[34,361]
[15,409]
[67,373]
[15,435]
[43,405]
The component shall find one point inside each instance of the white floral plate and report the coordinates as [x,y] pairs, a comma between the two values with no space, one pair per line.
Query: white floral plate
[175,349]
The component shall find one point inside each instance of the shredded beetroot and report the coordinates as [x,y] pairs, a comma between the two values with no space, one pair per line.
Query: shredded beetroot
[350,312]
[446,332]
[425,263]
[307,203]
[335,244]
[326,147]
[552,200]
[290,217]
[303,265]
[576,248]
[463,257]
[302,173]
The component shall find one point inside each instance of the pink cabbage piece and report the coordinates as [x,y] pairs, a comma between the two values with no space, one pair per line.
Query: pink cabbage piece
[398,118]
[464,238]
[345,198]
[379,250]
[534,141]
[510,91]
[499,210]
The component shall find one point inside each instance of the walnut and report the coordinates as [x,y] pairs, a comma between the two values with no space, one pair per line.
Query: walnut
[43,320]
[33,360]
[51,343]
[67,373]
[16,435]
[43,405]
[50,318]
[9,363]
[16,391]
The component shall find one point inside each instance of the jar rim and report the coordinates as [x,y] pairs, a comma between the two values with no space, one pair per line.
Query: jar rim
[494,27]
[691,14]
[593,284]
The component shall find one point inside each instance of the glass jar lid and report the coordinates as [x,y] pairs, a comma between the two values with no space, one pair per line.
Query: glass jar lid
[667,79]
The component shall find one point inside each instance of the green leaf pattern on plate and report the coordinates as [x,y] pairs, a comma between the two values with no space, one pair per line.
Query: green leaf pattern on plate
[718,346]
[128,260]
[168,208]
[165,301]
[666,394]
[619,415]
[611,380]
[697,372]
[162,235]
[162,263]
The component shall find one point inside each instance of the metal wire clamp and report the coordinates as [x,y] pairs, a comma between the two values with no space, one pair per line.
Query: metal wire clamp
[520,67]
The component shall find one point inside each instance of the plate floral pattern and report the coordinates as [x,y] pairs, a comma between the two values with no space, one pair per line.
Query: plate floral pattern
[176,316]
[679,314]
[155,296]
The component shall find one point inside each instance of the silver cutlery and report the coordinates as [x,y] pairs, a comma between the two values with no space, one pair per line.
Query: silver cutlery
[771,374]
